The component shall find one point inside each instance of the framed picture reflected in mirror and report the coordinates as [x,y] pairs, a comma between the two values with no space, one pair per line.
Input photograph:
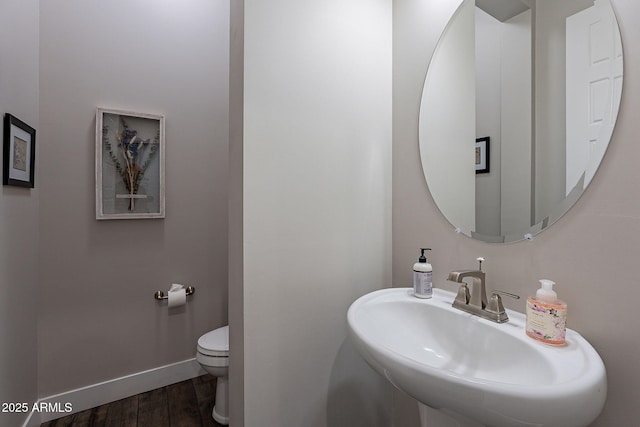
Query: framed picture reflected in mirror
[482,155]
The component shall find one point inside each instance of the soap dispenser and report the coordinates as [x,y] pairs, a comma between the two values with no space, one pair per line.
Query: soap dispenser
[422,276]
[546,315]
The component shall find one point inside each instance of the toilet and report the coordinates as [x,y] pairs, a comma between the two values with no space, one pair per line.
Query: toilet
[213,356]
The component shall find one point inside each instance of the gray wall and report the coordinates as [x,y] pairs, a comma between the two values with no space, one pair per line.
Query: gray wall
[591,252]
[19,212]
[97,316]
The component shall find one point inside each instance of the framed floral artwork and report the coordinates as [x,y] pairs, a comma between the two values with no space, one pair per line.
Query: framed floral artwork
[129,165]
[19,153]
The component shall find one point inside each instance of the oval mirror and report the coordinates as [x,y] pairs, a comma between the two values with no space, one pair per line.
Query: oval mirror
[518,107]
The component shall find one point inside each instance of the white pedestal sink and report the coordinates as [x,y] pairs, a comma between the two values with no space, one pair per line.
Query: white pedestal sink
[474,370]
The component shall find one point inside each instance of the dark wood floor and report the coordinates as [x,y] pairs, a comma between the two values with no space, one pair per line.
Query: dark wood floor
[185,404]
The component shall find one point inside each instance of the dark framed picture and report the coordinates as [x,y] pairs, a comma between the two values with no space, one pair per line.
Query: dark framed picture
[482,155]
[19,153]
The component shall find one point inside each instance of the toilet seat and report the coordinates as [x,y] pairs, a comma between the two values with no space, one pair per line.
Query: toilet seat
[215,343]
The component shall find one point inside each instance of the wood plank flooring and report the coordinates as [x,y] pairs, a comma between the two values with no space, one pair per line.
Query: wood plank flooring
[184,404]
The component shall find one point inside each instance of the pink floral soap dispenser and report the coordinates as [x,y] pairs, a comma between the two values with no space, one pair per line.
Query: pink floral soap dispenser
[546,315]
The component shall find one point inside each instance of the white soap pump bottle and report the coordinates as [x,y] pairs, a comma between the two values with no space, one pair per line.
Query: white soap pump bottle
[422,276]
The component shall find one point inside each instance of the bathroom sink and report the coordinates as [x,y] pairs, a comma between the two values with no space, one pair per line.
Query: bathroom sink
[488,372]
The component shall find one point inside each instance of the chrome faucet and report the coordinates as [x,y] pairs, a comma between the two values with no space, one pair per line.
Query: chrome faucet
[475,302]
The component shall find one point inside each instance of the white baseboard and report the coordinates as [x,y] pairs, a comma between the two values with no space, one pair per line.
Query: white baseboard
[88,397]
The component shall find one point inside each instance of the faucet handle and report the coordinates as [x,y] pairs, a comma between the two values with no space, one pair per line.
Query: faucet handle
[495,302]
[507,294]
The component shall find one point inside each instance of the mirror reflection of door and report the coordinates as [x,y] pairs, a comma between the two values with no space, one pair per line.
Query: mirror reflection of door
[594,87]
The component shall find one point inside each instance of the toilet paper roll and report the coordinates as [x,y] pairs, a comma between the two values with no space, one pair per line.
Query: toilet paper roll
[177,296]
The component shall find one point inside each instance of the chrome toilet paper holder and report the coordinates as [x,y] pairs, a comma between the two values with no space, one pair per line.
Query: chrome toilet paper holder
[160,295]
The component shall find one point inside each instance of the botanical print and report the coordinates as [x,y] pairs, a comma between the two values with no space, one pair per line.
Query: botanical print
[132,156]
[19,154]
[129,165]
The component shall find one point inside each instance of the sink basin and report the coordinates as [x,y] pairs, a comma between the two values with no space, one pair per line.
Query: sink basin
[459,363]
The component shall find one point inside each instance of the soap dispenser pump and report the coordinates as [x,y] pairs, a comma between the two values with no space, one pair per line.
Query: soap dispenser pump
[422,276]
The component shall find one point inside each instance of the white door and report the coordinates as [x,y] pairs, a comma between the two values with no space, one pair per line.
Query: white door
[594,86]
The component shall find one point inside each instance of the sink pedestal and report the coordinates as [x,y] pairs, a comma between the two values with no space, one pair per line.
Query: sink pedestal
[430,417]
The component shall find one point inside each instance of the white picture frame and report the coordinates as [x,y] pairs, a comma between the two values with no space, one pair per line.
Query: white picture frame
[130,165]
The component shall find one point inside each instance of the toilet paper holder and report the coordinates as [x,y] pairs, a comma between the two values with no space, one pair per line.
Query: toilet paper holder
[160,295]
